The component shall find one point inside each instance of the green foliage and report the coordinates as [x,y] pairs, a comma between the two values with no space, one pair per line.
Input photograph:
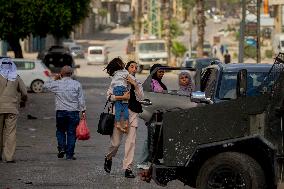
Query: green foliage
[178,49]
[19,18]
[16,19]
[103,12]
[58,17]
[250,51]
[188,4]
[237,35]
[175,28]
[268,53]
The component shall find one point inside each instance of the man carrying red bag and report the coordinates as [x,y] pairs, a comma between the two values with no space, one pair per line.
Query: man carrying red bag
[69,101]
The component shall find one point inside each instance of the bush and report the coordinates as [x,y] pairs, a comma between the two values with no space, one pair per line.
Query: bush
[250,51]
[178,49]
[268,53]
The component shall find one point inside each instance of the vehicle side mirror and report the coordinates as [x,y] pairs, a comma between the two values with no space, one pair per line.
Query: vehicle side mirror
[146,102]
[200,97]
[242,83]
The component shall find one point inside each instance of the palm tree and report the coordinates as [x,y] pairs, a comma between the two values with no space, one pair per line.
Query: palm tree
[166,4]
[200,26]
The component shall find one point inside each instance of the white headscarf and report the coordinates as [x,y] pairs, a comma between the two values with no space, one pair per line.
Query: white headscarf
[8,71]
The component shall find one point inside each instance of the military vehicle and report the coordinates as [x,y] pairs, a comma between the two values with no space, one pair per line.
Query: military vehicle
[228,139]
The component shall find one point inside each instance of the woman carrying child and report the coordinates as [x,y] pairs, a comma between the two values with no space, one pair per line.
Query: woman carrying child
[135,94]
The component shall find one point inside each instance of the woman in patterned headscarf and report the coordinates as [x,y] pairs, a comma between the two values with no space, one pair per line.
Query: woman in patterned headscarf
[185,84]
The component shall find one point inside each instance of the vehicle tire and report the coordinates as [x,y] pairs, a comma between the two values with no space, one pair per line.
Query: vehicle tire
[37,86]
[231,170]
[140,69]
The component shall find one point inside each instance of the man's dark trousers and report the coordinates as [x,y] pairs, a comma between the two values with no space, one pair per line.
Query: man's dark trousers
[66,122]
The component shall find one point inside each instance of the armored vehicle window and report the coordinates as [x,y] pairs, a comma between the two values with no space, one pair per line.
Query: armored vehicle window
[227,88]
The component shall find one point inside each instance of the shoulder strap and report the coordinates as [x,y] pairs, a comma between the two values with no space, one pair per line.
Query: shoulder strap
[108,100]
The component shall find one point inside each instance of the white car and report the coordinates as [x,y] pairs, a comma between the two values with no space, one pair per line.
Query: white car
[97,55]
[217,19]
[33,72]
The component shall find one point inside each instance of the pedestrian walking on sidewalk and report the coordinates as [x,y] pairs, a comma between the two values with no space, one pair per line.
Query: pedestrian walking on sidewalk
[222,49]
[227,57]
[69,101]
[11,85]
[134,107]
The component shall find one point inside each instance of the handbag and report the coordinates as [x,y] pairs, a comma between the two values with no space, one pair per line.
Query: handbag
[106,122]
[82,131]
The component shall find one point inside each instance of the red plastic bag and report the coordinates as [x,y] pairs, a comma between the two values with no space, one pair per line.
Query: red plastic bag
[82,131]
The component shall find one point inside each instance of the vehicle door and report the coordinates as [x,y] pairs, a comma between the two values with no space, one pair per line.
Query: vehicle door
[168,100]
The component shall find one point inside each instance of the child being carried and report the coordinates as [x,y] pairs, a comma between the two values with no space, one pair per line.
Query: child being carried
[119,86]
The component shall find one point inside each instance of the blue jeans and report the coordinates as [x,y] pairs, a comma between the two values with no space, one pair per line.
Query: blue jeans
[66,122]
[120,107]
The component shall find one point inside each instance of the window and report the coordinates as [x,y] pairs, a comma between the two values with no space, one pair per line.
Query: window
[227,89]
[152,47]
[96,51]
[23,65]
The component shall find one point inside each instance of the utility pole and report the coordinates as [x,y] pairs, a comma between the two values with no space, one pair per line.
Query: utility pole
[242,33]
[166,27]
[250,27]
[137,16]
[218,5]
[190,26]
[258,42]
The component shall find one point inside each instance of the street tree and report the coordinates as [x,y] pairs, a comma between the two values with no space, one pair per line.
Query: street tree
[16,22]
[20,18]
[58,18]
[200,26]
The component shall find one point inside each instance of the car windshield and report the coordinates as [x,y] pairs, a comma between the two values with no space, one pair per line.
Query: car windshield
[227,88]
[96,51]
[190,63]
[75,48]
[151,47]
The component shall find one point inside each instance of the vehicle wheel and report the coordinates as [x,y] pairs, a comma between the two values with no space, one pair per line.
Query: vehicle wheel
[37,86]
[140,69]
[231,170]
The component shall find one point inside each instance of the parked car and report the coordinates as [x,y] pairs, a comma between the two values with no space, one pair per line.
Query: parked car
[199,63]
[211,140]
[53,48]
[33,72]
[67,42]
[76,51]
[57,57]
[97,54]
[207,49]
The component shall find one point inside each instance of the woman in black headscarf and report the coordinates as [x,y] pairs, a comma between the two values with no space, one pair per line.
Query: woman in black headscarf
[156,84]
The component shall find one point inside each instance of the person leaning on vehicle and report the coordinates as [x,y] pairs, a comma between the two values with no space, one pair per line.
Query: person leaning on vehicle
[69,101]
[10,86]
